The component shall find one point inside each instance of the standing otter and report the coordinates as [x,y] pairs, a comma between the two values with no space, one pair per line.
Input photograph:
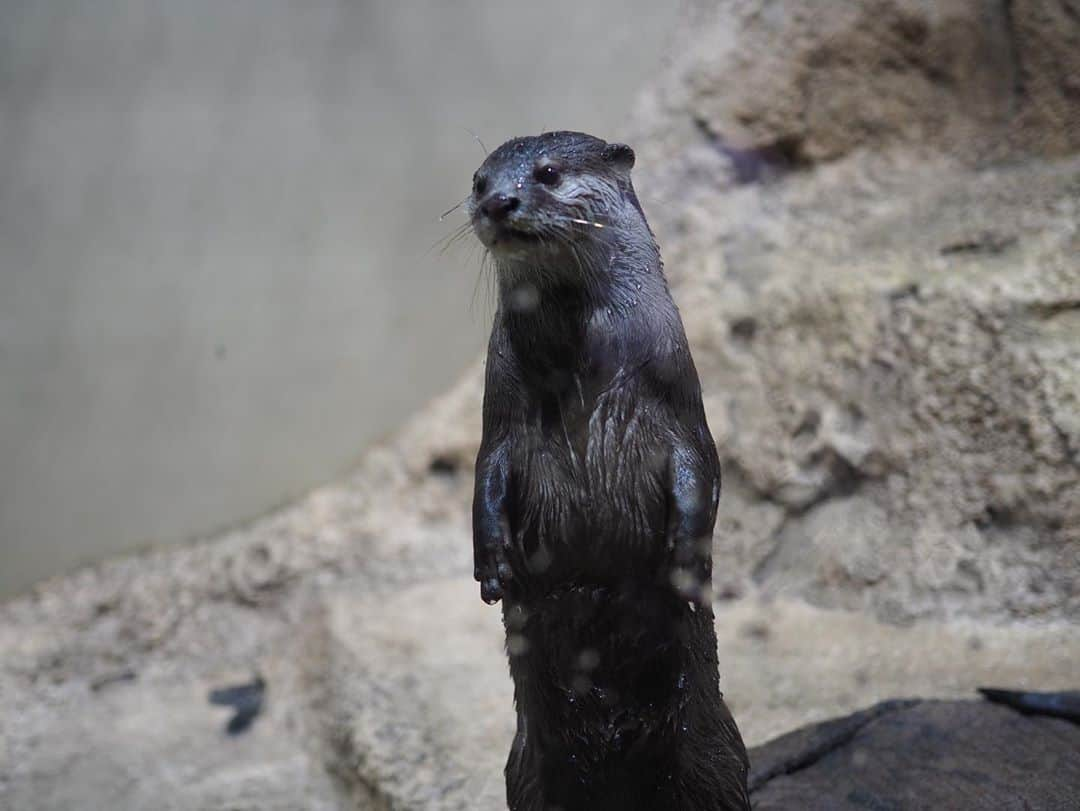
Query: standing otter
[596,490]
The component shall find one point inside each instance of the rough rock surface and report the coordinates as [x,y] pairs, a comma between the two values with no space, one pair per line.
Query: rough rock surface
[958,755]
[883,297]
[896,399]
[392,692]
[980,80]
[430,720]
[873,234]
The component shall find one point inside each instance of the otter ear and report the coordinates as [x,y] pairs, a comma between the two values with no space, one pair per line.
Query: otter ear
[619,155]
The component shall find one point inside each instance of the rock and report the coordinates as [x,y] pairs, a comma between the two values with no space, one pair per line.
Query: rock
[422,702]
[776,85]
[802,747]
[157,743]
[937,394]
[885,316]
[784,663]
[926,754]
[390,695]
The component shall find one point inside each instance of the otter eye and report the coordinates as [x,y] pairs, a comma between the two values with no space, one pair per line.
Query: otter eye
[479,184]
[547,174]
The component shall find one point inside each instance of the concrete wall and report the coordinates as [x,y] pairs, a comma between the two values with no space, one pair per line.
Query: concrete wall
[217,284]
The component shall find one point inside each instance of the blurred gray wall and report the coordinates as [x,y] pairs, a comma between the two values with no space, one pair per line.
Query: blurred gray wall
[216,277]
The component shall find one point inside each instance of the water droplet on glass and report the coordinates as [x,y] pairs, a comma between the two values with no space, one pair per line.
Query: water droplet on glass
[517,645]
[683,581]
[588,659]
[525,297]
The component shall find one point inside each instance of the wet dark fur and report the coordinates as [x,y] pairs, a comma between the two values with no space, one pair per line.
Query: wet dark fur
[596,490]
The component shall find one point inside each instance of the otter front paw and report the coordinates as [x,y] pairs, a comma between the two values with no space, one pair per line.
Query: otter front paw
[491,590]
[491,525]
[493,573]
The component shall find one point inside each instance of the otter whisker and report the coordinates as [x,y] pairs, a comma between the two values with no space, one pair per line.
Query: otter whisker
[587,222]
[445,243]
[477,137]
[452,209]
[485,277]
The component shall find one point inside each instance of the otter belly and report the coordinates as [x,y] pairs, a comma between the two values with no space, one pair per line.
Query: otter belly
[606,681]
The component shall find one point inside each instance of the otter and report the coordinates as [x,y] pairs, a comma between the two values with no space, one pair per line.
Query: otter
[596,491]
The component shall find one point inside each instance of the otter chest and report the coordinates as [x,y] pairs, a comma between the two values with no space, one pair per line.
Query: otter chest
[588,475]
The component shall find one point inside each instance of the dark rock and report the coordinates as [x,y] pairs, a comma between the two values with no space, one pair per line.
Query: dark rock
[1057,705]
[245,699]
[927,754]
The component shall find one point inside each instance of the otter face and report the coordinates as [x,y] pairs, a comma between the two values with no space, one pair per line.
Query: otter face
[536,198]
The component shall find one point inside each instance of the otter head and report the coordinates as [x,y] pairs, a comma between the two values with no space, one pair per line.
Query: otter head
[545,201]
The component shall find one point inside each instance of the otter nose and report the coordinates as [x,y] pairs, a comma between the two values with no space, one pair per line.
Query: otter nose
[497,207]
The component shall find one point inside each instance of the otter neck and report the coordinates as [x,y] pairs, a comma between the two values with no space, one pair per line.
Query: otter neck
[548,310]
